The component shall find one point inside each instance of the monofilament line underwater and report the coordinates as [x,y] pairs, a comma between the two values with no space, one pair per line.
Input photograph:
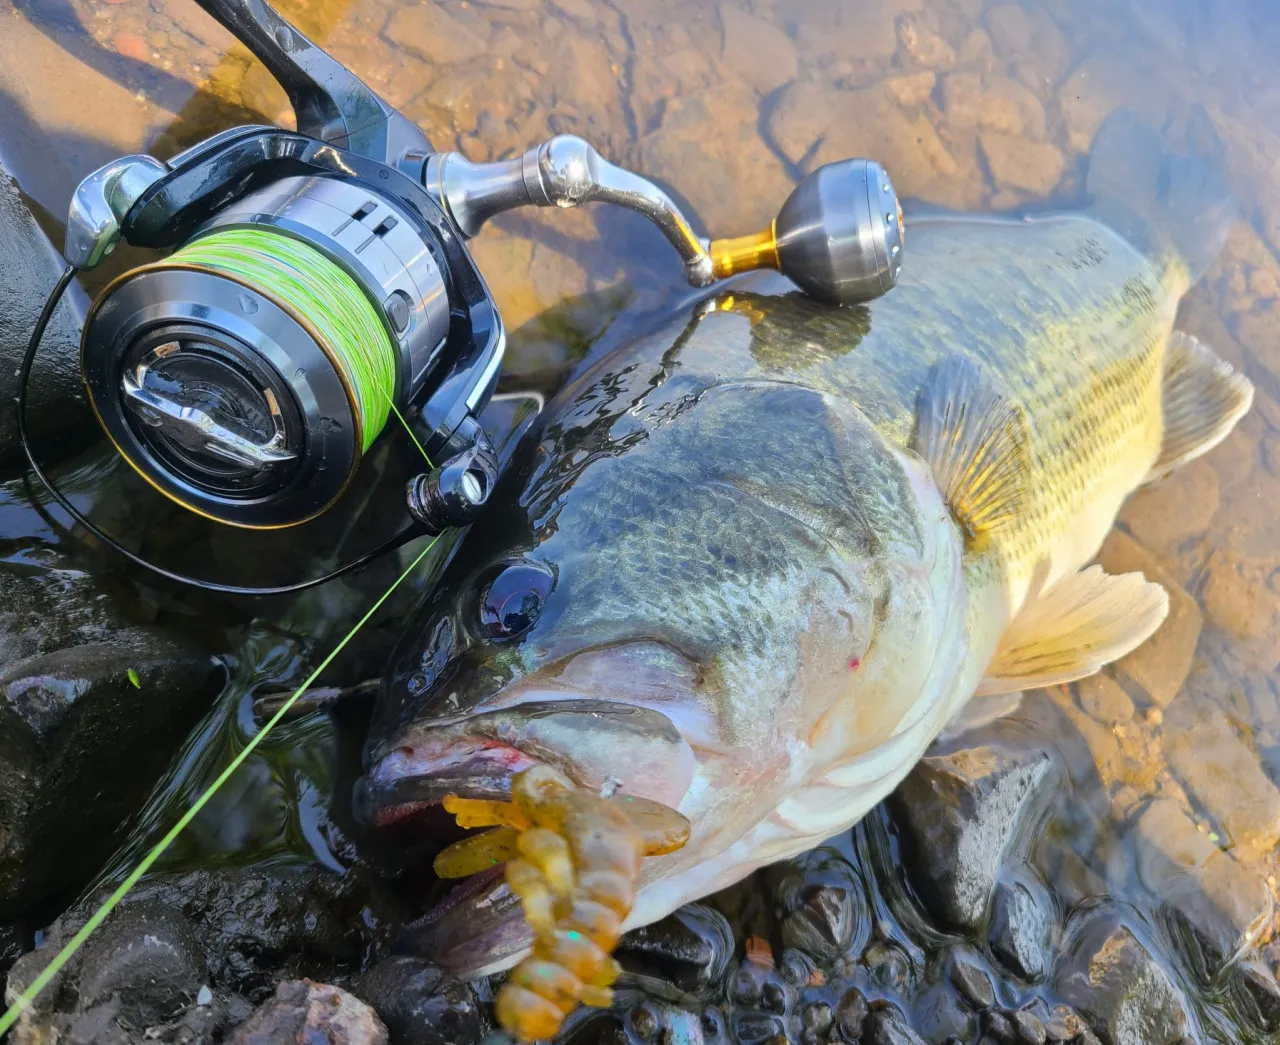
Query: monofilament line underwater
[51,970]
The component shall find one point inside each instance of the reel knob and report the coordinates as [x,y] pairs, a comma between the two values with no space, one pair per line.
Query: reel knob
[838,236]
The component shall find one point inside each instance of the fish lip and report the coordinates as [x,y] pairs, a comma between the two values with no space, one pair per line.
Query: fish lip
[380,803]
[477,930]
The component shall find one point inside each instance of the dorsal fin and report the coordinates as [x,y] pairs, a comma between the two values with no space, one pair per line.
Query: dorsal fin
[975,443]
[1203,398]
[1082,623]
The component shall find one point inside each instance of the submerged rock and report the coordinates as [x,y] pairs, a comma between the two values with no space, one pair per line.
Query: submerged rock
[959,814]
[305,1013]
[821,904]
[1022,928]
[683,957]
[1118,985]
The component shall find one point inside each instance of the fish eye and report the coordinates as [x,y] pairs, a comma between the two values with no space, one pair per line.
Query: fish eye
[513,599]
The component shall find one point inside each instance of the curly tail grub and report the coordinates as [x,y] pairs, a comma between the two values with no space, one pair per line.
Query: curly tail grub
[573,857]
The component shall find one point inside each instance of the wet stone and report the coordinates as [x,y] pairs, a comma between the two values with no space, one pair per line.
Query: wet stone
[74,724]
[304,1013]
[887,1026]
[1161,664]
[1022,928]
[973,982]
[149,959]
[1018,163]
[682,956]
[1224,904]
[57,413]
[999,1028]
[1116,984]
[851,1013]
[1104,699]
[821,904]
[958,815]
[428,32]
[758,51]
[1263,993]
[1028,1027]
[418,1005]
[1223,775]
[938,1014]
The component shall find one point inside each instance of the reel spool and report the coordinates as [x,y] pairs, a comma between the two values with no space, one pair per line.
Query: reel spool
[318,288]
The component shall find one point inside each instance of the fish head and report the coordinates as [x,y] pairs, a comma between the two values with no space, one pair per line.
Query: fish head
[700,596]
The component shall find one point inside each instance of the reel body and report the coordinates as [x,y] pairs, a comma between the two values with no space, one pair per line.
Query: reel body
[219,387]
[319,283]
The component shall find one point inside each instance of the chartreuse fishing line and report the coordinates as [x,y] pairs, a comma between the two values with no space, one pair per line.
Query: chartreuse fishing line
[55,966]
[313,288]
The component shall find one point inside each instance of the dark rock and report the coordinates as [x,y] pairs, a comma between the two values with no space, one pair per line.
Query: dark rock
[937,1014]
[850,1014]
[973,982]
[754,985]
[887,1026]
[1029,1027]
[816,1019]
[682,957]
[797,968]
[58,416]
[751,1028]
[419,1005]
[1116,984]
[888,965]
[149,959]
[250,928]
[1263,993]
[74,724]
[309,1013]
[999,1028]
[959,815]
[822,905]
[1022,928]
[1063,1025]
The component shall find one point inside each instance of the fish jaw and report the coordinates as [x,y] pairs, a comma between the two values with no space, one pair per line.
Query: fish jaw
[480,928]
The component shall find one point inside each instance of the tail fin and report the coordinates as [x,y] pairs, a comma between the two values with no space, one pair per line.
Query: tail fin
[1160,201]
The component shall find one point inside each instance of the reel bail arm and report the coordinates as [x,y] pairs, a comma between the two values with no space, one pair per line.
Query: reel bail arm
[330,102]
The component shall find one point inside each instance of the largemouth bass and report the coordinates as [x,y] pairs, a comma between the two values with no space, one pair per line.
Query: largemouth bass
[751,565]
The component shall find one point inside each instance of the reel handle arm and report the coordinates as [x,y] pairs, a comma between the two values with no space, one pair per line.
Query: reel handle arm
[838,236]
[563,171]
[331,103]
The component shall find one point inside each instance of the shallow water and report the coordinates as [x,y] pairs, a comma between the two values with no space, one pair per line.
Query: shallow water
[969,104]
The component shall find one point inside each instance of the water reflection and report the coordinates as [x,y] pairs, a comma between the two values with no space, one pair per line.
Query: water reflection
[1174,754]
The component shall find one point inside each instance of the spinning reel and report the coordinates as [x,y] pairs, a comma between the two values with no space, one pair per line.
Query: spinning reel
[319,282]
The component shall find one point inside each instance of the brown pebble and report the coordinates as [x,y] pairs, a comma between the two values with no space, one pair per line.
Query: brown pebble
[1154,716]
[131,45]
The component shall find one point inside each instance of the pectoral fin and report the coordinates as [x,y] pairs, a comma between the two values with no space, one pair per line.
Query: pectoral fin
[1082,623]
[1203,398]
[975,443]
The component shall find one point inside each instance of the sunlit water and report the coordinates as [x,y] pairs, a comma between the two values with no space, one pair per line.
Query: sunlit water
[968,104]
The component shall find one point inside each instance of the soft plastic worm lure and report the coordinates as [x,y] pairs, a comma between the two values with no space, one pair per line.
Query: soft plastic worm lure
[573,858]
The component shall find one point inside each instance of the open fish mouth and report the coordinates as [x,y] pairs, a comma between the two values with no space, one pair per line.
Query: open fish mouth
[479,927]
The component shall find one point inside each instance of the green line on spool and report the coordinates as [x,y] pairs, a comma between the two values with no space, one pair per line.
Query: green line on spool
[310,285]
